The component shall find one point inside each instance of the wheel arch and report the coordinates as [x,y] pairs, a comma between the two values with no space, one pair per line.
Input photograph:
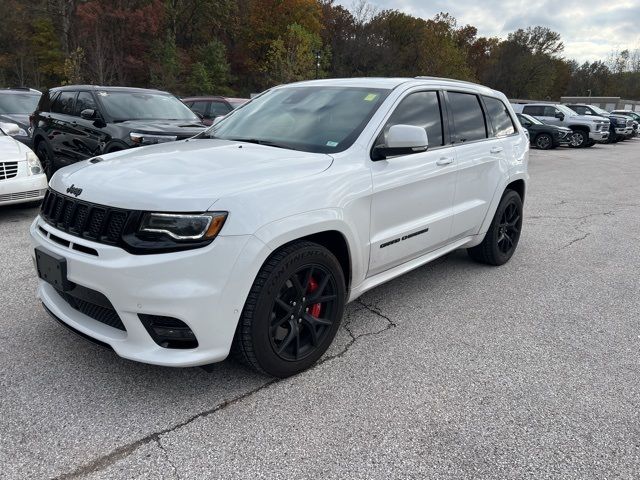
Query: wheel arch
[325,228]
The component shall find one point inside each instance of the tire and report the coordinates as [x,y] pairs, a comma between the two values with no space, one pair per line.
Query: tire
[544,141]
[46,159]
[578,138]
[504,231]
[283,329]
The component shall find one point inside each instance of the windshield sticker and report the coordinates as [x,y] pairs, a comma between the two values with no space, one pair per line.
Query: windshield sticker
[103,94]
[371,97]
[332,144]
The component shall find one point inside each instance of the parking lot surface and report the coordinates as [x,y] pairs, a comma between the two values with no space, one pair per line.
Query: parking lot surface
[455,370]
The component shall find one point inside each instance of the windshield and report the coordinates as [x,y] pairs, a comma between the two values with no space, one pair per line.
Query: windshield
[566,110]
[320,119]
[18,103]
[599,110]
[531,119]
[122,106]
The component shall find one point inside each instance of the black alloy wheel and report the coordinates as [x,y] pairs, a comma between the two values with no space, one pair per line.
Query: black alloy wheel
[502,238]
[293,310]
[303,312]
[544,141]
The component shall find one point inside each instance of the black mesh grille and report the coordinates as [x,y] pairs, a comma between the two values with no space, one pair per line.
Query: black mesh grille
[95,222]
[105,315]
[115,225]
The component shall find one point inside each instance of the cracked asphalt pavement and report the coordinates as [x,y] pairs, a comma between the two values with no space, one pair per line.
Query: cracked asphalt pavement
[455,370]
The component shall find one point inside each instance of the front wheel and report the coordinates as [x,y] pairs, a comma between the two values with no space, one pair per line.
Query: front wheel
[578,139]
[502,238]
[544,141]
[293,310]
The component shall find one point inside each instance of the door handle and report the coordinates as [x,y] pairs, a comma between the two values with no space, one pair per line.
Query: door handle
[444,161]
[496,150]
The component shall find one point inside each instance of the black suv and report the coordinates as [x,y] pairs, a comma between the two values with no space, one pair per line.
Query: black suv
[77,122]
[16,104]
[542,135]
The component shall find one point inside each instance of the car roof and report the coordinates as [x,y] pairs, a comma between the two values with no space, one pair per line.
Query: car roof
[20,90]
[204,97]
[103,88]
[391,83]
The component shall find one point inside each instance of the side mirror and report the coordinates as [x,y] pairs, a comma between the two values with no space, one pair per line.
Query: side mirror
[402,140]
[88,114]
[560,115]
[527,124]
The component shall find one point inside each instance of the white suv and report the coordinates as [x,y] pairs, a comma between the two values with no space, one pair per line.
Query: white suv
[253,236]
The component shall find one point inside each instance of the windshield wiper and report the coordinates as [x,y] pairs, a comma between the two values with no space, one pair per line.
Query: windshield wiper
[258,141]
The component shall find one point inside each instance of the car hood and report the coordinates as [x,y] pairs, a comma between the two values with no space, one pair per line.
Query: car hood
[185,176]
[21,119]
[589,118]
[184,128]
[11,150]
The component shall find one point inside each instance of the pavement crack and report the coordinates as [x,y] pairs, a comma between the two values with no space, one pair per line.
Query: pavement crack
[377,312]
[124,451]
[168,458]
[119,453]
[575,240]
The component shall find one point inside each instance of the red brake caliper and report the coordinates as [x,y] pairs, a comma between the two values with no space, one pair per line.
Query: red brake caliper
[314,309]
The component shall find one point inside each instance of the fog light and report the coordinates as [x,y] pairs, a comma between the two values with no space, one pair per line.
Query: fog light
[168,332]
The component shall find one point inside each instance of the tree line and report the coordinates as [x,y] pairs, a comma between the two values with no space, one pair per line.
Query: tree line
[195,47]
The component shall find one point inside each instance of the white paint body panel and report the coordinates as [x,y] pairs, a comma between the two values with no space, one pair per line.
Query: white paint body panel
[274,196]
[24,187]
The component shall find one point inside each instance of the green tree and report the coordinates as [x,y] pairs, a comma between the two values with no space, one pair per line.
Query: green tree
[291,57]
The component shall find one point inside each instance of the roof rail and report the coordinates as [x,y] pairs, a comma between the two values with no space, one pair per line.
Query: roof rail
[426,77]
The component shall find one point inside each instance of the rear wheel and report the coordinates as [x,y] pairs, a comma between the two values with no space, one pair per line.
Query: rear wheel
[544,141]
[578,138]
[502,238]
[293,310]
[46,159]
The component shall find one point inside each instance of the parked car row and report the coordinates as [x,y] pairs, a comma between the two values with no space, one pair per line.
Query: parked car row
[576,125]
[72,123]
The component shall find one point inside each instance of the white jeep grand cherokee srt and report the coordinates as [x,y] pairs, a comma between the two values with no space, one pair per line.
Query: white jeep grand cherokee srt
[252,236]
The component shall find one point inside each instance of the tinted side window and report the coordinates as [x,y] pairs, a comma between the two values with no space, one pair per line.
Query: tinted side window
[533,110]
[85,101]
[198,107]
[64,103]
[500,118]
[219,108]
[421,109]
[549,111]
[468,117]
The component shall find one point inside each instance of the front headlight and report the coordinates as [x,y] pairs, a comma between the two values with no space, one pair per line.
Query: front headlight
[33,163]
[184,227]
[150,139]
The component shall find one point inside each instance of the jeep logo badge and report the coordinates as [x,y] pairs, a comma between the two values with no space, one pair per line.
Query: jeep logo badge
[73,190]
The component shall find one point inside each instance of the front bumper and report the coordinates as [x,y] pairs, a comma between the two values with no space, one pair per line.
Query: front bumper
[22,188]
[599,136]
[205,288]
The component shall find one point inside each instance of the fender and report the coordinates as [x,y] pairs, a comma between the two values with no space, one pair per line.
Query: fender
[288,229]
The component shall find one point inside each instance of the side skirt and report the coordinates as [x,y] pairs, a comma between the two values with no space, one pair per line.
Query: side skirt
[394,272]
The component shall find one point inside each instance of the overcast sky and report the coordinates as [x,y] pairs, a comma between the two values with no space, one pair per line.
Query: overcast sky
[590,29]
